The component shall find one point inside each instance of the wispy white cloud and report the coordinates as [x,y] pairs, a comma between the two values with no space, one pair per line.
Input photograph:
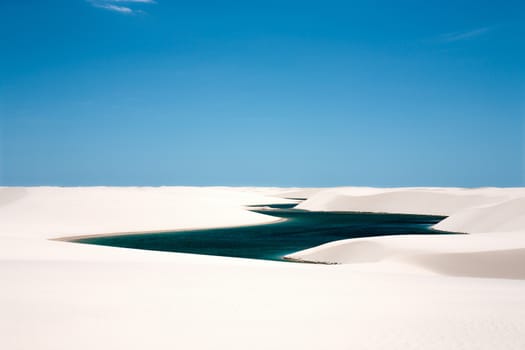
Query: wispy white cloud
[121,6]
[465,35]
[111,7]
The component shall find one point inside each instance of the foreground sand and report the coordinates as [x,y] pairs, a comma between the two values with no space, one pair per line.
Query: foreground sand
[391,292]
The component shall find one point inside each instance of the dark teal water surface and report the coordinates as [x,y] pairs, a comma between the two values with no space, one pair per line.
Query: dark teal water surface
[300,230]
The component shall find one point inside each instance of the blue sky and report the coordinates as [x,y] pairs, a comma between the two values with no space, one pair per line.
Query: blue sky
[289,93]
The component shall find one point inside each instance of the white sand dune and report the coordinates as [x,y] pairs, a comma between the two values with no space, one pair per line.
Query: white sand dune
[431,201]
[397,292]
[55,212]
[419,252]
[504,216]
[495,215]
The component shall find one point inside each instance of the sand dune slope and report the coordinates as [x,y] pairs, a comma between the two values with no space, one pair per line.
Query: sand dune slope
[504,216]
[54,212]
[431,201]
[495,216]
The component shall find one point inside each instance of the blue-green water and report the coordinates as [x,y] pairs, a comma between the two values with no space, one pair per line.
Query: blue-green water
[300,230]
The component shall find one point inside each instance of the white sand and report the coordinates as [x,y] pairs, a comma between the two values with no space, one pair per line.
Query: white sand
[400,292]
[432,201]
[493,217]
